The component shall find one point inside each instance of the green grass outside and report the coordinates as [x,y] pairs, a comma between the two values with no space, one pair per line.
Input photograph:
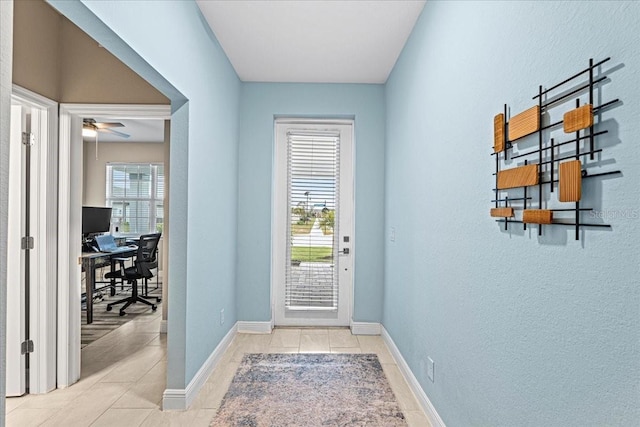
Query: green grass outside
[307,254]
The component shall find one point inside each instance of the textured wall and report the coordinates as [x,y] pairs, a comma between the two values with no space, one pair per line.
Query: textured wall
[94,174]
[54,58]
[36,50]
[171,46]
[6,38]
[260,102]
[523,330]
[90,73]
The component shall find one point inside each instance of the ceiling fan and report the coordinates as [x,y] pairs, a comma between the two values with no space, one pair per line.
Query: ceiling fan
[90,128]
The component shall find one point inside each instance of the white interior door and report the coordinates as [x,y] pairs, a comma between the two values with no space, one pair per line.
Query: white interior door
[32,284]
[16,305]
[312,231]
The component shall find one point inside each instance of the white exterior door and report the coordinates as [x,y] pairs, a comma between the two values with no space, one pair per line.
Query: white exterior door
[312,230]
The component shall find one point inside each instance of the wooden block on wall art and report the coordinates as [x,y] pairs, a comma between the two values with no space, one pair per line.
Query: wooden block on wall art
[502,212]
[570,179]
[537,216]
[580,118]
[518,177]
[498,133]
[524,123]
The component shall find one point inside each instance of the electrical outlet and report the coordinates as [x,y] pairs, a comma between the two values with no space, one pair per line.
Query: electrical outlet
[430,368]
[392,234]
[222,317]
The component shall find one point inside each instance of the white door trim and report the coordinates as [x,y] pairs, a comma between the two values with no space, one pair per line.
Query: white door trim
[70,220]
[43,288]
[16,328]
[278,223]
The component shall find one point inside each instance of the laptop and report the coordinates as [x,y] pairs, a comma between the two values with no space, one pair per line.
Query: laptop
[106,243]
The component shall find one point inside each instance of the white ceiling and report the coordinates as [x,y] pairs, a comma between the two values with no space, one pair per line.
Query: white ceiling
[312,41]
[306,41]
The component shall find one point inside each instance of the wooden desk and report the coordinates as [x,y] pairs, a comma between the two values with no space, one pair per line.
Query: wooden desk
[92,260]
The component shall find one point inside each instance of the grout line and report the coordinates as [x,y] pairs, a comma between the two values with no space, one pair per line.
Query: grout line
[374,348]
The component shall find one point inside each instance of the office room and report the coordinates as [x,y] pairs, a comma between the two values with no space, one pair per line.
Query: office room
[124,171]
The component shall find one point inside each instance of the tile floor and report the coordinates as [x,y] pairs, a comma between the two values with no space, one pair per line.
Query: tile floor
[123,377]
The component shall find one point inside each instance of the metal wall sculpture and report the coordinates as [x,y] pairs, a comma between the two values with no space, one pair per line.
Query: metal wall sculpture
[564,156]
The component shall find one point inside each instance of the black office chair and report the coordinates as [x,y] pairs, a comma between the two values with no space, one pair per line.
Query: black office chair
[120,261]
[153,264]
[141,269]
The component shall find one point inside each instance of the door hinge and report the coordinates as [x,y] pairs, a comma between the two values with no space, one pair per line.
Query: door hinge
[27,242]
[26,347]
[28,138]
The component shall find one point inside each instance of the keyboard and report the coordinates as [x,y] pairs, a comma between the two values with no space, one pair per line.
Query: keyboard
[119,249]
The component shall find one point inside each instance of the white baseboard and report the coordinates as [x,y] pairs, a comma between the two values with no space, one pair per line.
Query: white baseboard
[174,399]
[163,326]
[365,328]
[423,400]
[181,399]
[254,327]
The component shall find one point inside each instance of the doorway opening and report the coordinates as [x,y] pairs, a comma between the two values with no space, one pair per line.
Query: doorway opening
[123,196]
[70,220]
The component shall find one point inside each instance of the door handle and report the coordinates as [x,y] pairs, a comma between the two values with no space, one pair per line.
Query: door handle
[345,251]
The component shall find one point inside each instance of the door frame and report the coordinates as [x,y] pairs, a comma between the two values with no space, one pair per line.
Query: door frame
[70,222]
[277,212]
[43,283]
[15,379]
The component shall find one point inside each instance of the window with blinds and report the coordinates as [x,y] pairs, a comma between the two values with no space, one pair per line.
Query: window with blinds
[311,273]
[135,192]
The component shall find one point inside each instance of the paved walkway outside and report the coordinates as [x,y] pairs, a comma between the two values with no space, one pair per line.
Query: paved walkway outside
[312,284]
[315,238]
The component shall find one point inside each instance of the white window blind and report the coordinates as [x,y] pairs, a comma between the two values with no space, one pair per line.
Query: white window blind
[311,273]
[135,192]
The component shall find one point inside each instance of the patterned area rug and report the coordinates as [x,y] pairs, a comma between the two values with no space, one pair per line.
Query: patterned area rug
[309,390]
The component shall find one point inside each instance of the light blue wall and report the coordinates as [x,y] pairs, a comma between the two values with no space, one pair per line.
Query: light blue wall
[260,102]
[524,331]
[171,45]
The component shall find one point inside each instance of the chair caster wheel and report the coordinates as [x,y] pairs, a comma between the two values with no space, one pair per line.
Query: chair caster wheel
[154,307]
[122,313]
[109,308]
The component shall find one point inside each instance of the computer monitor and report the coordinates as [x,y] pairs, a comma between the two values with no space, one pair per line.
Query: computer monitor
[95,220]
